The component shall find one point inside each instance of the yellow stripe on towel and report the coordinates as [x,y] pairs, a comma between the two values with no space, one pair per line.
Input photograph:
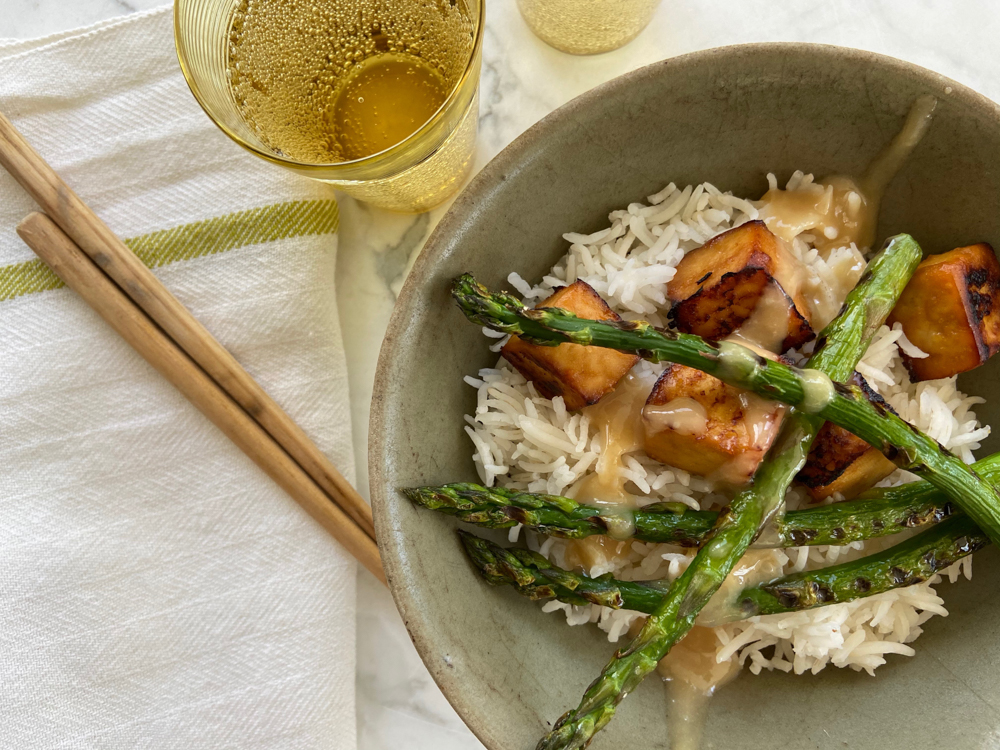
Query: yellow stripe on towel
[217,235]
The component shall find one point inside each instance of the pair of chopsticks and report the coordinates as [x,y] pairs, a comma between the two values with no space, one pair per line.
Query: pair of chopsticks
[96,264]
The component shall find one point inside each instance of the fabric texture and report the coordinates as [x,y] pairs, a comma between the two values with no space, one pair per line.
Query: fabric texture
[157,590]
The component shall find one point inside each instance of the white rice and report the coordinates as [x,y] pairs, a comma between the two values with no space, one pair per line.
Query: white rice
[525,441]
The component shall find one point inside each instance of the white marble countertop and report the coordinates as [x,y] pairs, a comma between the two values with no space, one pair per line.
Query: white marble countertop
[523,80]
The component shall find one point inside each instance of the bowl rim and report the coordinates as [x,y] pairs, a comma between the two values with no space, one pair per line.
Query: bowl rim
[462,210]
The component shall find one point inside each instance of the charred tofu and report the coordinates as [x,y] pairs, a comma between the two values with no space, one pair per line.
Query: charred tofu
[580,374]
[951,310]
[699,424]
[720,286]
[842,462]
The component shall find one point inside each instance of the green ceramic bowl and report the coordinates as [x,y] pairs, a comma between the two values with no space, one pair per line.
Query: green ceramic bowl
[729,116]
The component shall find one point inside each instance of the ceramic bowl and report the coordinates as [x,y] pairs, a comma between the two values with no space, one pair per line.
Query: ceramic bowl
[728,116]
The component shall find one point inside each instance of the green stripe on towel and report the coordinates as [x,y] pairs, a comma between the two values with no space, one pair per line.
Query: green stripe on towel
[253,227]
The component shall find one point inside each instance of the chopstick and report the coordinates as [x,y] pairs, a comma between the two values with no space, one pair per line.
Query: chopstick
[94,237]
[69,262]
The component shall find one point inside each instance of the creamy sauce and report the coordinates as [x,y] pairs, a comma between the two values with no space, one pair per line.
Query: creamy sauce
[692,675]
[839,211]
[752,346]
[770,535]
[825,296]
[817,391]
[621,524]
[836,211]
[736,360]
[687,711]
[691,669]
[759,424]
[760,418]
[767,326]
[736,472]
[759,421]
[757,566]
[593,551]
[618,420]
[683,415]
[881,171]
[837,214]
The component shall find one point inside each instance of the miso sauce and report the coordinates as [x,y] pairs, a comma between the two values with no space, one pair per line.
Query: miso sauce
[838,211]
[842,210]
[617,420]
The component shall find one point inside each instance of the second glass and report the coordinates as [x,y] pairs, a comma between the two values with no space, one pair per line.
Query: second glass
[377,98]
[587,27]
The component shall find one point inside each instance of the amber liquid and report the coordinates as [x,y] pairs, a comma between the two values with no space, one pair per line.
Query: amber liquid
[383,102]
[329,81]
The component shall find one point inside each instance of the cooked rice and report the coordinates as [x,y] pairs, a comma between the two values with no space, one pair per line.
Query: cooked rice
[525,441]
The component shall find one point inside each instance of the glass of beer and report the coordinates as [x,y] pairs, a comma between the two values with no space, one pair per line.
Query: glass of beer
[586,27]
[376,97]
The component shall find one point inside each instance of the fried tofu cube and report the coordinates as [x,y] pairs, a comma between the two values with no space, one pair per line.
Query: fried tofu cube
[840,462]
[951,310]
[699,424]
[580,374]
[719,287]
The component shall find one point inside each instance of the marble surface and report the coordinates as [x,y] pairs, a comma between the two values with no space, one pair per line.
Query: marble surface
[523,80]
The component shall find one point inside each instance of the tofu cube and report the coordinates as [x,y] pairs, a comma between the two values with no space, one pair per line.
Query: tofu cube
[842,462]
[699,424]
[580,374]
[719,286]
[951,310]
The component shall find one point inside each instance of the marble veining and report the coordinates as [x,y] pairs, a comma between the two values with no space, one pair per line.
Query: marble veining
[522,81]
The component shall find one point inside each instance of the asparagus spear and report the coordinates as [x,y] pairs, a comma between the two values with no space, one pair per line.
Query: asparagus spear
[498,508]
[841,344]
[904,564]
[811,391]
[537,578]
[675,614]
[875,513]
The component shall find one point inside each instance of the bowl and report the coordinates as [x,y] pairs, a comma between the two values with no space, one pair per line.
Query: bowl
[728,116]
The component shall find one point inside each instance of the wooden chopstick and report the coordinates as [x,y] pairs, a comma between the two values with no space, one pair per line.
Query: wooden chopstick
[63,256]
[112,255]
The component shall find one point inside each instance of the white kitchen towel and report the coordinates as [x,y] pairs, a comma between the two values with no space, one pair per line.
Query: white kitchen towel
[157,590]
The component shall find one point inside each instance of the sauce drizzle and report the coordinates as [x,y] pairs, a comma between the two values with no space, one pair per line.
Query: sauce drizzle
[683,415]
[838,211]
[692,676]
[767,326]
[618,420]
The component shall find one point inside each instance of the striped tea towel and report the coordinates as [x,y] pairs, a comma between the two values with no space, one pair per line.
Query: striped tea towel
[157,590]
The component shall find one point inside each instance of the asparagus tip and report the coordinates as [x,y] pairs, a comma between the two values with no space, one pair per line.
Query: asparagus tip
[413,494]
[497,310]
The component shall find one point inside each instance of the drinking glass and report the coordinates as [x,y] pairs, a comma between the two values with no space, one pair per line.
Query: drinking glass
[305,51]
[586,27]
